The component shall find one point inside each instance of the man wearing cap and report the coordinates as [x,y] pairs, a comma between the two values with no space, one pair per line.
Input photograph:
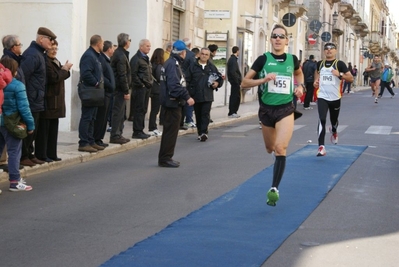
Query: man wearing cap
[309,69]
[374,70]
[33,65]
[328,78]
[142,80]
[386,78]
[173,94]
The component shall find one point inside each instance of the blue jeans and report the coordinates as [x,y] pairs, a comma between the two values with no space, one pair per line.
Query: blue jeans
[86,126]
[188,110]
[14,146]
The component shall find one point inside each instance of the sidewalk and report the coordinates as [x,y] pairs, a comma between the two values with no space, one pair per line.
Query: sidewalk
[68,141]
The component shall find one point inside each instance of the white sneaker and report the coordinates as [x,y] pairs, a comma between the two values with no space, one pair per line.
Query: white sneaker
[234,115]
[190,124]
[0,191]
[156,132]
[19,187]
[321,151]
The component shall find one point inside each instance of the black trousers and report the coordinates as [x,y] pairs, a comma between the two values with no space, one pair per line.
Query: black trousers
[323,107]
[141,97]
[46,139]
[171,125]
[388,86]
[202,116]
[27,143]
[155,105]
[118,115]
[235,98]
[309,94]
[100,124]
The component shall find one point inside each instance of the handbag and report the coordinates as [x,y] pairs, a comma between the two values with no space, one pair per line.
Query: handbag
[91,96]
[15,126]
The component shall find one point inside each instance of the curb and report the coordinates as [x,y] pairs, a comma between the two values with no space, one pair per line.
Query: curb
[76,157]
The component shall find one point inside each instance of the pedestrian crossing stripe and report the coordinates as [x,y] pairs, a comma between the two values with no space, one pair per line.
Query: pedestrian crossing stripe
[373,129]
[378,129]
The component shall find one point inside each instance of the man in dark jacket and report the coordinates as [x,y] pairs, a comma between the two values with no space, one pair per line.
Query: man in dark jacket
[202,79]
[13,49]
[121,68]
[142,80]
[91,74]
[173,91]
[234,77]
[33,65]
[309,67]
[100,124]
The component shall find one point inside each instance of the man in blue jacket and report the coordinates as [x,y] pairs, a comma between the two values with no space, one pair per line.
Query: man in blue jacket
[33,65]
[100,124]
[91,74]
[173,95]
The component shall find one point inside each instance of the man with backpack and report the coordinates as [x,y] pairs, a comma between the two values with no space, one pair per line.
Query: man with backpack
[329,78]
[309,68]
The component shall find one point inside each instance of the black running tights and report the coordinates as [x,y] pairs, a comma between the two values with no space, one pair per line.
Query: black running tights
[323,107]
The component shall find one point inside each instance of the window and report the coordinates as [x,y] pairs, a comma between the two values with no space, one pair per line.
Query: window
[275,11]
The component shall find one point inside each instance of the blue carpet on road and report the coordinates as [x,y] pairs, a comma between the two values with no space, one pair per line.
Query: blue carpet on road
[238,228]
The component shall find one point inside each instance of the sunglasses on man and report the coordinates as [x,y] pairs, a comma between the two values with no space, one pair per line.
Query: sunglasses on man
[281,36]
[329,47]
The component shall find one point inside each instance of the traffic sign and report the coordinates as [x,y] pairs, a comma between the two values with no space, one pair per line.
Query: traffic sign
[326,36]
[289,20]
[311,39]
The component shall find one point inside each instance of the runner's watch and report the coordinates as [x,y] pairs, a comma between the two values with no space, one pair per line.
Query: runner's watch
[304,87]
[340,75]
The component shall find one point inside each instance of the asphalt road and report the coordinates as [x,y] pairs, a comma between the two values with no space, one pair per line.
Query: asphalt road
[83,215]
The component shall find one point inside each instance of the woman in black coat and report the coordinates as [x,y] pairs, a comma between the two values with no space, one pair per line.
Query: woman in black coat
[47,135]
[157,62]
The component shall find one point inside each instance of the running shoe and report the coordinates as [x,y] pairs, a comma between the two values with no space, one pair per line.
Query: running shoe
[376,100]
[334,136]
[19,187]
[322,151]
[203,137]
[272,196]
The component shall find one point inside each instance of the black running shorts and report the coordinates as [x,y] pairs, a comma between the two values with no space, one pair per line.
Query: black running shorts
[270,115]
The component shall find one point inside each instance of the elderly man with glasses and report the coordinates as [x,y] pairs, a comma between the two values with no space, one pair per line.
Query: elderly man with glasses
[33,65]
[12,47]
[329,77]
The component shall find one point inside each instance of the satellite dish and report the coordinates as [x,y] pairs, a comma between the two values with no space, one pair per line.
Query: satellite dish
[315,25]
[289,20]
[326,36]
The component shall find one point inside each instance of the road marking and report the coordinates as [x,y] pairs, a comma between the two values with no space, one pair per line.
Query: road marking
[242,128]
[378,129]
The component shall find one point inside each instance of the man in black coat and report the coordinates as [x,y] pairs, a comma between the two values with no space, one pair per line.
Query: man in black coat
[121,68]
[91,74]
[309,68]
[100,124]
[142,80]
[173,91]
[33,65]
[235,78]
[202,79]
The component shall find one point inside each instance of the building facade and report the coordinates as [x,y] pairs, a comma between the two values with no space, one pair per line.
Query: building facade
[359,27]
